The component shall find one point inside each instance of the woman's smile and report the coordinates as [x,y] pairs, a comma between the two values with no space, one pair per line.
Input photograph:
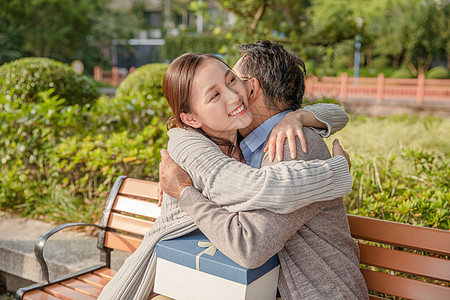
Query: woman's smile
[238,111]
[219,100]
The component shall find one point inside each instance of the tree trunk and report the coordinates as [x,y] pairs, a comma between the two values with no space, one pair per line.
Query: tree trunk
[396,60]
[411,67]
[428,62]
[258,15]
[369,53]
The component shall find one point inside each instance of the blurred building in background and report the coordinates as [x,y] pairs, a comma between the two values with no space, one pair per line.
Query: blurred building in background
[163,18]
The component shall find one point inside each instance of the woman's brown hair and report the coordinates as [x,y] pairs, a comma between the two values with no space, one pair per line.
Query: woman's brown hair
[177,88]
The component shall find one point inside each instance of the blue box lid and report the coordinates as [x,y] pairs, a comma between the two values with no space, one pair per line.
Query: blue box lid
[184,250]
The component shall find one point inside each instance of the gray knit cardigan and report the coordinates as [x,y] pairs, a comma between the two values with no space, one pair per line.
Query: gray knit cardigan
[281,188]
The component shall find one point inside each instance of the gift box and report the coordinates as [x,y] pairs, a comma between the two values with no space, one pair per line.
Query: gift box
[189,267]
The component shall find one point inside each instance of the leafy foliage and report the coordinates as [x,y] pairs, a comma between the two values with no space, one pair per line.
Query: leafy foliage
[265,19]
[401,73]
[410,32]
[62,30]
[63,33]
[60,161]
[414,30]
[25,78]
[176,46]
[405,177]
[413,187]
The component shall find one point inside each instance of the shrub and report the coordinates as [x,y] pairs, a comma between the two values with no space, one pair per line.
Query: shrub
[28,135]
[146,81]
[125,138]
[438,73]
[412,187]
[401,73]
[26,77]
[404,178]
[60,161]
[381,62]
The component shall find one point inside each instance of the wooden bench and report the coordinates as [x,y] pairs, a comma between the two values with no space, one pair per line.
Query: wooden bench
[396,259]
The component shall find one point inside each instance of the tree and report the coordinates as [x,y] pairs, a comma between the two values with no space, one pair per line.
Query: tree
[415,30]
[9,42]
[51,26]
[62,29]
[262,19]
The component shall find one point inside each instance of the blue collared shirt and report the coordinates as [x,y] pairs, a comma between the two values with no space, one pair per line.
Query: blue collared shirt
[252,146]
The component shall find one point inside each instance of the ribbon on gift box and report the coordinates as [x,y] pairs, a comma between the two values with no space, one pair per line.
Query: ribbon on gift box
[210,250]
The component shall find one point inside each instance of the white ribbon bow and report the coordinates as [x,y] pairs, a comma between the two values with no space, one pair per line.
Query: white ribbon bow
[210,250]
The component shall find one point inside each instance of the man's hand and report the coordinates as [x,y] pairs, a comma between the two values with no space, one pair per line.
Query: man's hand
[290,126]
[172,178]
[338,150]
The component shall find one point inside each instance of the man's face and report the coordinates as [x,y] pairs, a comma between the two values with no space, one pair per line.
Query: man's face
[237,68]
[253,102]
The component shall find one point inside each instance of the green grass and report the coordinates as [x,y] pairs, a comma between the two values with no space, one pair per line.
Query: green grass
[400,168]
[388,135]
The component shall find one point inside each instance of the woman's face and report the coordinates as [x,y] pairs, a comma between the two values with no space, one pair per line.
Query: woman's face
[219,99]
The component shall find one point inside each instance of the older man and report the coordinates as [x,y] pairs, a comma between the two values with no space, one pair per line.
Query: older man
[318,257]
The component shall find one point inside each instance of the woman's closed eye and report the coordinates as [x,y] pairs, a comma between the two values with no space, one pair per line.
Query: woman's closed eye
[214,96]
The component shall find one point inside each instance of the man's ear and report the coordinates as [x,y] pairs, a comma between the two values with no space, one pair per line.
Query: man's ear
[190,120]
[254,89]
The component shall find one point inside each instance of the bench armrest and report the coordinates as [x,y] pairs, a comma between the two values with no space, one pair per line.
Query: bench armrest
[40,244]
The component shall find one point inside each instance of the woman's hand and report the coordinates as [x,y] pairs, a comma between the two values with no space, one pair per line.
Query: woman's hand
[338,150]
[289,127]
[172,178]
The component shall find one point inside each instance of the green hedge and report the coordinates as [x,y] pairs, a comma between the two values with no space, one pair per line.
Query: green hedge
[381,62]
[178,45]
[146,81]
[438,73]
[25,78]
[401,73]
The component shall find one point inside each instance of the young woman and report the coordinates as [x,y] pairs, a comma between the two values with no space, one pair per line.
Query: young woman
[209,104]
[209,100]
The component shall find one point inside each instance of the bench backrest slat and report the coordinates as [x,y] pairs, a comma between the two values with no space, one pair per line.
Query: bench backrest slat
[128,223]
[123,242]
[403,235]
[138,207]
[404,287]
[130,212]
[405,262]
[139,188]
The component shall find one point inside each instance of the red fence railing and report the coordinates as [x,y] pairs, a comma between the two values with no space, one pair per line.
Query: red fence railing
[113,77]
[380,89]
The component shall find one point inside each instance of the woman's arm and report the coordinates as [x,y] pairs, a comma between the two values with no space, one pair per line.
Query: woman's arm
[332,115]
[249,238]
[325,118]
[281,188]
